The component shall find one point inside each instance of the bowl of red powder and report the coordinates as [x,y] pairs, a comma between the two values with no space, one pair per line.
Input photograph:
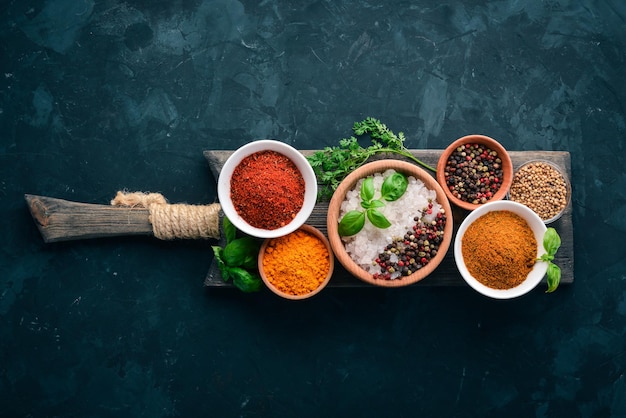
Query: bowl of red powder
[496,249]
[267,189]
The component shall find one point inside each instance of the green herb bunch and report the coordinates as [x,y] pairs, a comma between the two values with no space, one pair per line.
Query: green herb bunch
[393,188]
[333,164]
[551,243]
[238,259]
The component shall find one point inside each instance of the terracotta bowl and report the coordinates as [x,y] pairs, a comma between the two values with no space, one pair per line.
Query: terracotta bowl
[539,269]
[318,234]
[224,180]
[349,183]
[507,169]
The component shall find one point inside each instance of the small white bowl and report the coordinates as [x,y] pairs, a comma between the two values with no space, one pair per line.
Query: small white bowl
[539,269]
[310,185]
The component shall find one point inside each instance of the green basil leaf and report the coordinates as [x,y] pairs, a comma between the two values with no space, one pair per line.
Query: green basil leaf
[251,262]
[394,186]
[218,252]
[554,277]
[546,257]
[230,231]
[367,189]
[237,250]
[372,204]
[378,219]
[351,223]
[244,280]
[551,241]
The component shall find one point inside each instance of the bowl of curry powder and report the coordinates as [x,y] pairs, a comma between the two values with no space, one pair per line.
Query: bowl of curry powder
[497,247]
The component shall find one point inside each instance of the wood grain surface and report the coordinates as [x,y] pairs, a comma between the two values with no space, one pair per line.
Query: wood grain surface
[63,220]
[446,274]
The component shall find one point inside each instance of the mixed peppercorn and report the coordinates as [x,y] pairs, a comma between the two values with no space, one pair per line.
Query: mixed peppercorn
[404,256]
[473,173]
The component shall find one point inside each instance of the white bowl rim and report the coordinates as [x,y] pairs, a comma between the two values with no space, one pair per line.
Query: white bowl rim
[539,269]
[310,192]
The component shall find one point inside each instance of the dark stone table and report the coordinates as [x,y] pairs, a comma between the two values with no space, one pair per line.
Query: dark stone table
[97,97]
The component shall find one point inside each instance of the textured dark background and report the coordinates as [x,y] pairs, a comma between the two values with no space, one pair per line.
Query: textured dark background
[108,95]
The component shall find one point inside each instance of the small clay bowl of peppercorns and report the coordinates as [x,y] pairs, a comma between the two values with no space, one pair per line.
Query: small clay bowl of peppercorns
[474,170]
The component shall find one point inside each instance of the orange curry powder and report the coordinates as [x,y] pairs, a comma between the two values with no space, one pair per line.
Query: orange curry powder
[499,249]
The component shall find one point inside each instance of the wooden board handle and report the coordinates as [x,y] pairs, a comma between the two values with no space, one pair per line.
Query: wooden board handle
[63,220]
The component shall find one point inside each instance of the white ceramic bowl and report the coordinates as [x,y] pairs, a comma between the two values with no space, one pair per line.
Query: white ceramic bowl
[310,184]
[539,269]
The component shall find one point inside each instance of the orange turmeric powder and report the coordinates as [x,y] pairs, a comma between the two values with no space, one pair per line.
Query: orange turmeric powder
[296,263]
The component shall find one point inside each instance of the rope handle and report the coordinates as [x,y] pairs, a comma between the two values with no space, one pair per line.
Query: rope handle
[174,221]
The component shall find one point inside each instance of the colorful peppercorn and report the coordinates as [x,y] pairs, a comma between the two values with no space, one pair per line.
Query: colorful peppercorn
[404,256]
[473,173]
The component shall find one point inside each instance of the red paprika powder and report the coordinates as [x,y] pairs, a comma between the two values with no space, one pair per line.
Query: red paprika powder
[267,189]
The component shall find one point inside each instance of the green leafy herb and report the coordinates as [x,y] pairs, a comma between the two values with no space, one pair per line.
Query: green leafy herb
[367,189]
[551,243]
[393,188]
[351,223]
[333,164]
[230,232]
[236,251]
[238,259]
[377,218]
[244,280]
[554,277]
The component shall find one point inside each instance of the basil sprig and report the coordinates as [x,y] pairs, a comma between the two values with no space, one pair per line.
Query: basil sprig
[392,189]
[551,243]
[238,259]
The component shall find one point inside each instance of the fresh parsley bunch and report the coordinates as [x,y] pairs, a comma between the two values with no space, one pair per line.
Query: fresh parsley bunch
[238,259]
[333,164]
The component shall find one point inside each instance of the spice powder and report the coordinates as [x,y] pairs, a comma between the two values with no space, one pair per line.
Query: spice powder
[499,249]
[296,263]
[267,190]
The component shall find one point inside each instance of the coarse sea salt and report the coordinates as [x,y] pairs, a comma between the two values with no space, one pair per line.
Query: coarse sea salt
[365,246]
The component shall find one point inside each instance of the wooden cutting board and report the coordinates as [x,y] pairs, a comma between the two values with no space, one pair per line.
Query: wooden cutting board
[446,273]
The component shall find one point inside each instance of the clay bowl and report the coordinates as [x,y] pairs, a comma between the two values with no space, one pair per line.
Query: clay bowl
[224,185]
[319,235]
[539,269]
[507,169]
[333,218]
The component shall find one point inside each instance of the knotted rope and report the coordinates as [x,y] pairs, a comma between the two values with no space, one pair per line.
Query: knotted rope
[174,221]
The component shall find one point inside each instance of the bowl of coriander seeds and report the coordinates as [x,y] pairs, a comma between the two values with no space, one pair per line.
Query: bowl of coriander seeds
[542,186]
